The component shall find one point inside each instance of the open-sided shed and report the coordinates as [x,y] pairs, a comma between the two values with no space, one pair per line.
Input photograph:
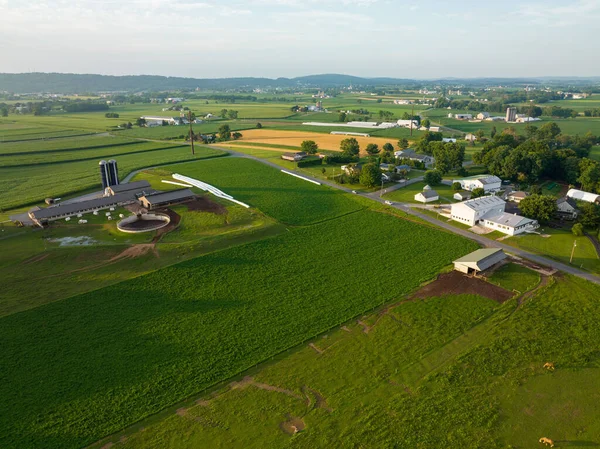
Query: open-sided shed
[479,260]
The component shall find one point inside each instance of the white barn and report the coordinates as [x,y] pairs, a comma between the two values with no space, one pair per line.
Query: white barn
[488,183]
[463,116]
[580,195]
[479,260]
[427,196]
[473,211]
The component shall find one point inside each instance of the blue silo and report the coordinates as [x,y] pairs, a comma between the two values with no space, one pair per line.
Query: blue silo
[104,174]
[113,172]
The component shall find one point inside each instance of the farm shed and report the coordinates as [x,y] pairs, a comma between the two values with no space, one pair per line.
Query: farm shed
[128,187]
[294,157]
[42,216]
[479,260]
[488,183]
[462,195]
[427,196]
[163,199]
[473,211]
[580,195]
[511,224]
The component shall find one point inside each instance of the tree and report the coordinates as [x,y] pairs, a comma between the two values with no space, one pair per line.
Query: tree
[236,135]
[372,149]
[388,147]
[309,146]
[232,114]
[350,147]
[493,132]
[539,207]
[478,192]
[4,111]
[223,113]
[456,186]
[480,134]
[426,123]
[432,177]
[535,190]
[258,125]
[448,156]
[403,143]
[140,121]
[577,229]
[342,117]
[370,175]
[589,174]
[590,215]
[548,131]
[224,132]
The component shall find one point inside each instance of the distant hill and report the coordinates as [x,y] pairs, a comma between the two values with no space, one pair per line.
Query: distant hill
[66,83]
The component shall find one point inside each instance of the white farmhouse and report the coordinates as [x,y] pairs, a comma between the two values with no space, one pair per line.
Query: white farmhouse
[488,183]
[470,137]
[483,115]
[473,211]
[580,195]
[427,196]
[511,224]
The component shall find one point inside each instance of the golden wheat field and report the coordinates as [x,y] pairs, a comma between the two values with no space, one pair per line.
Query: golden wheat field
[295,138]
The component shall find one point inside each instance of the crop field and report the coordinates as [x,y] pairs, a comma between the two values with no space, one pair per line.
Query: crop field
[283,197]
[452,371]
[295,138]
[38,134]
[113,356]
[60,144]
[21,186]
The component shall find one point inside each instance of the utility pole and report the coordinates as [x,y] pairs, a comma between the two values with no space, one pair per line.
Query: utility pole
[412,114]
[573,251]
[191,130]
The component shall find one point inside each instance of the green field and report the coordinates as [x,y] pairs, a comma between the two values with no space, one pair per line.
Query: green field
[515,277]
[558,246]
[196,323]
[283,197]
[455,371]
[31,183]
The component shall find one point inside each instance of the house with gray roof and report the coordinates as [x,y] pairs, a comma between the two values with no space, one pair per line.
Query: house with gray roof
[511,224]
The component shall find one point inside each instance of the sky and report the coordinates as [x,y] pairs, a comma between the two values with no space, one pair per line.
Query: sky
[288,38]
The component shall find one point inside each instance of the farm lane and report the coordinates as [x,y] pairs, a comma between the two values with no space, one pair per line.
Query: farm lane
[407,208]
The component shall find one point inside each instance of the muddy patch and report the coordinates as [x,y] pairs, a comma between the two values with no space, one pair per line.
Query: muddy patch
[136,251]
[316,398]
[204,204]
[455,283]
[83,240]
[293,425]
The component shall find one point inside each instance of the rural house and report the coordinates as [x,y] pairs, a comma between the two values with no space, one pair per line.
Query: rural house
[566,208]
[427,196]
[488,183]
[463,195]
[517,196]
[511,224]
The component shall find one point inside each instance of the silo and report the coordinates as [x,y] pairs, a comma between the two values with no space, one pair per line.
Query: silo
[104,174]
[113,172]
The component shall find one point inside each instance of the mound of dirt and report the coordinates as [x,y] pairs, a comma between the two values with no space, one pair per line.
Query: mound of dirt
[204,204]
[293,425]
[455,283]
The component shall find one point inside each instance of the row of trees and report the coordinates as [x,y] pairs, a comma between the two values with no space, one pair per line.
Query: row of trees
[545,153]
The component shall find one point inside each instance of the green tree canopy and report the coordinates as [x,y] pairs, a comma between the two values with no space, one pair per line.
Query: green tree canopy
[432,177]
[370,175]
[388,147]
[403,143]
[350,147]
[539,207]
[224,132]
[590,215]
[478,192]
[309,146]
[372,149]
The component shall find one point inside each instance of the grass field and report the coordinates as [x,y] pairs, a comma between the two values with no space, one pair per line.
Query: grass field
[457,371]
[180,329]
[558,246]
[283,197]
[515,277]
[407,194]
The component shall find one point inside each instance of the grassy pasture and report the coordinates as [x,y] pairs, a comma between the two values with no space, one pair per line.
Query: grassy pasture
[113,356]
[515,277]
[283,197]
[456,371]
[407,194]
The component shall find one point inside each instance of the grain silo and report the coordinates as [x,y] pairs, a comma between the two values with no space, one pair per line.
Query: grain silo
[104,175]
[113,172]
